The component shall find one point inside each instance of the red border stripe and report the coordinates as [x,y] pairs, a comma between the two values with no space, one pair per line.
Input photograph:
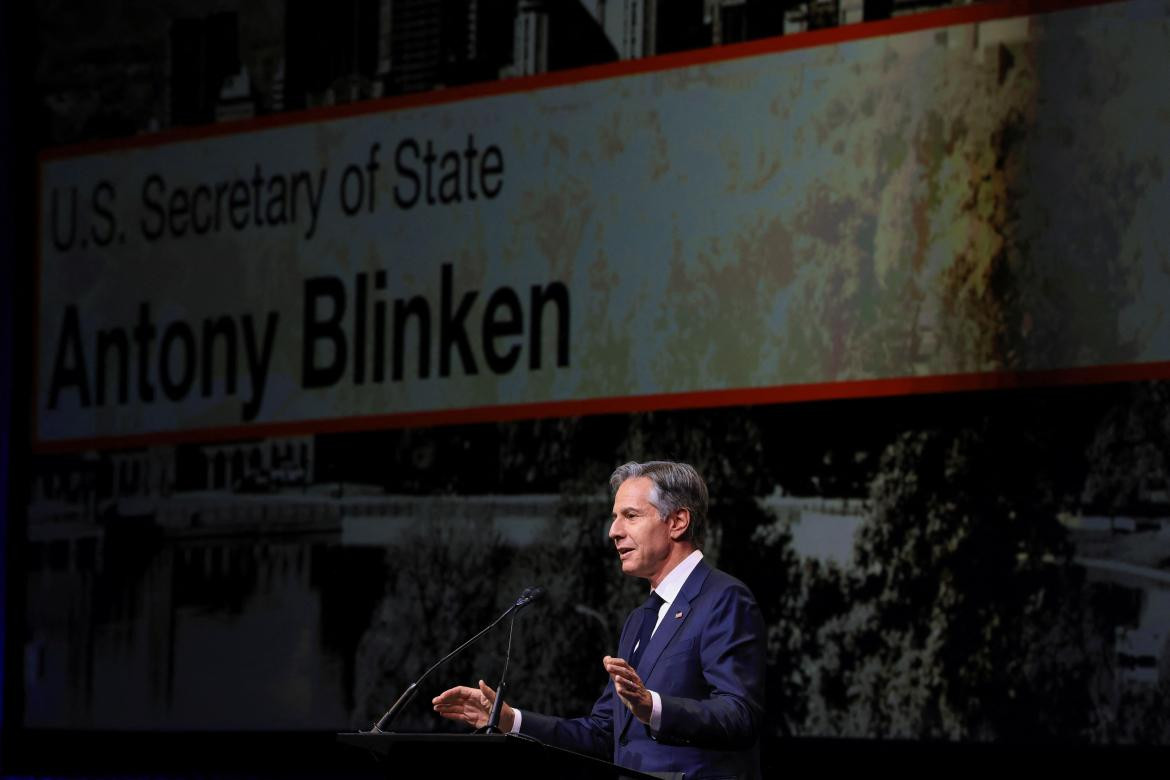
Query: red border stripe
[702,399]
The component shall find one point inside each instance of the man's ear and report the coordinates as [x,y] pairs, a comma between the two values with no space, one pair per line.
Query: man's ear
[680,522]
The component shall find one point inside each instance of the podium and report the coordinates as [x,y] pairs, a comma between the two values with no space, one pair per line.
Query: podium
[507,755]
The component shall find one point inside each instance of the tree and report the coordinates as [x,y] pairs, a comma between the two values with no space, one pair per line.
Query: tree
[442,588]
[1130,454]
[967,617]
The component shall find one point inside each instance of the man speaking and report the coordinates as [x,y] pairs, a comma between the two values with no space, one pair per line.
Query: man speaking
[685,692]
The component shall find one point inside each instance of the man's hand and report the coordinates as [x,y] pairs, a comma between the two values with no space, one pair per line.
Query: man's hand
[629,687]
[473,706]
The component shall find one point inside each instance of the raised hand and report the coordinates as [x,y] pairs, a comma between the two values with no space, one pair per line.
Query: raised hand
[629,687]
[472,706]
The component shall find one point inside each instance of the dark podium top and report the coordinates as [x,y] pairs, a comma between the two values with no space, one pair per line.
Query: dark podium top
[510,755]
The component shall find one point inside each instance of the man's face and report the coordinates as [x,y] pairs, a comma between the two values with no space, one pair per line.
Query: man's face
[641,538]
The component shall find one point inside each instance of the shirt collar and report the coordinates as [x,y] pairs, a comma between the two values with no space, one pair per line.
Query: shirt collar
[672,583]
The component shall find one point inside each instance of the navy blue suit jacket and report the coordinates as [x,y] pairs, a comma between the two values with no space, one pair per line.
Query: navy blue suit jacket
[706,661]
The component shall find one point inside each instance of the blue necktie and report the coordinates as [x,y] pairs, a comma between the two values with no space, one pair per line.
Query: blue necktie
[649,618]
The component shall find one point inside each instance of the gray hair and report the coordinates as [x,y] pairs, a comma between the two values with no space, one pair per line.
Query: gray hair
[676,486]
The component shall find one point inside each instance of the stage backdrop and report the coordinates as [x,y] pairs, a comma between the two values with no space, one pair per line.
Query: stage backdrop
[317,393]
[967,197]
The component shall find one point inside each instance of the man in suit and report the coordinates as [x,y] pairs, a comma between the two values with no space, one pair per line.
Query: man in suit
[685,695]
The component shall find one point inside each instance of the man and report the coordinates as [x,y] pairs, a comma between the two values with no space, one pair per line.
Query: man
[686,694]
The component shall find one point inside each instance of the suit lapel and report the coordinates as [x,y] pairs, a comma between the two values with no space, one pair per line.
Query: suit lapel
[670,623]
[629,635]
[663,635]
[621,714]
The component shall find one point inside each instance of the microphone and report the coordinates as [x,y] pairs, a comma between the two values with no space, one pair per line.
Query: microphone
[530,594]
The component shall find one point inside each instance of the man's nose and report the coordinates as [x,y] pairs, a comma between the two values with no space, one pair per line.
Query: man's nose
[615,530]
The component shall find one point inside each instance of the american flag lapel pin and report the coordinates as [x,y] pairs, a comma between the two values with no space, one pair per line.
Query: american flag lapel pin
[678,615]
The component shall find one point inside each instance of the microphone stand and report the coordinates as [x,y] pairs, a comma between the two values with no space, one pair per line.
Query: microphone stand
[529,595]
[493,724]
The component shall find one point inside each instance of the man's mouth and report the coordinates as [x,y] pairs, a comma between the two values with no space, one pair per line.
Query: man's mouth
[624,551]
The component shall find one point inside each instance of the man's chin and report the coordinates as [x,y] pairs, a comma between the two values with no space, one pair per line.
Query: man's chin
[632,569]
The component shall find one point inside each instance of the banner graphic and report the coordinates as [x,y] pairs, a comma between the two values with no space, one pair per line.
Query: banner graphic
[968,199]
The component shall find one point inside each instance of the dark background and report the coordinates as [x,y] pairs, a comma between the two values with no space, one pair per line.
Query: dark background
[971,621]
